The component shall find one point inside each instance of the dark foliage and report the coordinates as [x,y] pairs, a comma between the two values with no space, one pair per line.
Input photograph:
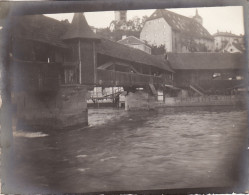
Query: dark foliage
[158,50]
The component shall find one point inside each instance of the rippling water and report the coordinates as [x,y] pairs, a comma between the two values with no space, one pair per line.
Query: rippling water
[163,149]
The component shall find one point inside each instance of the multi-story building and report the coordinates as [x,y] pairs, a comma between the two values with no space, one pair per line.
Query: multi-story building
[223,40]
[176,32]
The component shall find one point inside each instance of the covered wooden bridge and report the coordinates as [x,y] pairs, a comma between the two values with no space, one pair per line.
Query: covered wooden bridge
[48,53]
[208,73]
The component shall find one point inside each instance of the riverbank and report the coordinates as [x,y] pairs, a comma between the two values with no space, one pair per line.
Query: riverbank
[211,100]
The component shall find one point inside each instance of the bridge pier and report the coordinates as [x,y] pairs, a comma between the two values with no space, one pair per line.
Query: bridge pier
[139,100]
[64,108]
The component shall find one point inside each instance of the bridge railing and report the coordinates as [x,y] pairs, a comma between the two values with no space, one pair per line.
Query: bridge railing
[115,78]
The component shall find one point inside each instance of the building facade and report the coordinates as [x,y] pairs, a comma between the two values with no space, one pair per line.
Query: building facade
[223,40]
[176,32]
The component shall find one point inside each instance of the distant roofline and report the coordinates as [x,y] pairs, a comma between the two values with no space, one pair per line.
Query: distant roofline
[149,18]
[228,34]
[129,37]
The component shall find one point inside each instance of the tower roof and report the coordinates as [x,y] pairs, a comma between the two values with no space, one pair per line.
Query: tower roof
[79,29]
[197,14]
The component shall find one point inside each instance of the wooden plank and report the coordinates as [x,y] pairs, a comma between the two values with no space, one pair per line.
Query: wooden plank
[153,89]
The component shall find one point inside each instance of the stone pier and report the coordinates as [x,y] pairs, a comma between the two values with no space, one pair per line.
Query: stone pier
[65,108]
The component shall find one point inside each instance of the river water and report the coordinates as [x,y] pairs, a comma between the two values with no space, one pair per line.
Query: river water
[139,150]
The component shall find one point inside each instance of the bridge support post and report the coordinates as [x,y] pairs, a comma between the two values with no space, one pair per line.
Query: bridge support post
[64,108]
[139,100]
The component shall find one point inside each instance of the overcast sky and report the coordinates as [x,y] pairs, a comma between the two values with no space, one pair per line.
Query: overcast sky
[214,18]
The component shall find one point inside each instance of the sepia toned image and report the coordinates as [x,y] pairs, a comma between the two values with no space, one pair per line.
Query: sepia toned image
[119,98]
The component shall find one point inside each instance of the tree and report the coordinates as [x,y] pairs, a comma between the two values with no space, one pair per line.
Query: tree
[131,27]
[158,50]
[144,19]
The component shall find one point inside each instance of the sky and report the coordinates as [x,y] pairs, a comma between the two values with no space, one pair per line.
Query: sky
[214,18]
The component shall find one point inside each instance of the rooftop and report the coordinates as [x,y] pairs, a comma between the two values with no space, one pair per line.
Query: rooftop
[79,28]
[39,28]
[182,24]
[120,51]
[131,40]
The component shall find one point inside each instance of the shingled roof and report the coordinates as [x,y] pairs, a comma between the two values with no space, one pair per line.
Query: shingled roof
[39,28]
[182,24]
[117,50]
[239,46]
[79,28]
[131,40]
[206,61]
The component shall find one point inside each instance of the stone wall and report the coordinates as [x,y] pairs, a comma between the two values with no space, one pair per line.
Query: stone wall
[205,101]
[65,108]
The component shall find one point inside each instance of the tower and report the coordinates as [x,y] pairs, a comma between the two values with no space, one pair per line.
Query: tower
[197,17]
[81,57]
[120,16]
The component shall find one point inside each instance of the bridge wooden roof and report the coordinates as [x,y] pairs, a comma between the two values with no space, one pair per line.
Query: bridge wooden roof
[206,61]
[51,31]
[120,51]
[40,28]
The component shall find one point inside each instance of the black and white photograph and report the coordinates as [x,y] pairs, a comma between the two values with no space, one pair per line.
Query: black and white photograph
[124,97]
